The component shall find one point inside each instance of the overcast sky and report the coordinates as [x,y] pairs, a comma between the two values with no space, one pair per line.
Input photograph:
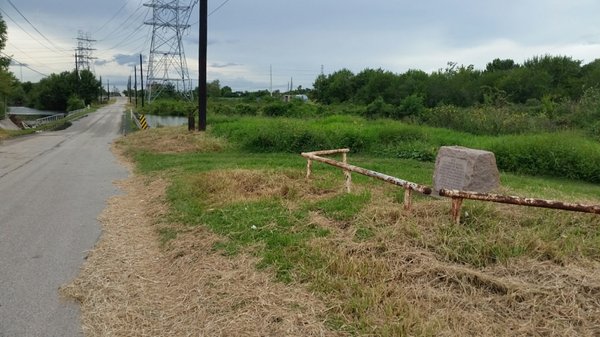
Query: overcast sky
[299,39]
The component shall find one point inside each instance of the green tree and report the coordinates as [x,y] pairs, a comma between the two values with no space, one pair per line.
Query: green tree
[370,84]
[590,74]
[501,65]
[334,88]
[226,91]
[564,74]
[4,61]
[89,86]
[7,80]
[213,89]
[53,92]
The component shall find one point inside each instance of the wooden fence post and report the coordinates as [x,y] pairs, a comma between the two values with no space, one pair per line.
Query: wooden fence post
[407,199]
[347,174]
[456,205]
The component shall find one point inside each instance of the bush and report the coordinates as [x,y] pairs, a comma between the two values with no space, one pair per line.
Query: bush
[486,120]
[169,107]
[246,109]
[567,155]
[412,105]
[75,103]
[379,108]
[224,109]
[275,109]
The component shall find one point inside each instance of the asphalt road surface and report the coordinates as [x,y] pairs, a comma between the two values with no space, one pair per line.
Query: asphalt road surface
[53,186]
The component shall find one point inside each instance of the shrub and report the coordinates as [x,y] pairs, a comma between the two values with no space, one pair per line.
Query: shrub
[412,105]
[168,107]
[379,108]
[75,103]
[246,109]
[567,155]
[275,109]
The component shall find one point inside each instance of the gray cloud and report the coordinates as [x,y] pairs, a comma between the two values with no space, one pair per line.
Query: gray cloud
[129,60]
[224,65]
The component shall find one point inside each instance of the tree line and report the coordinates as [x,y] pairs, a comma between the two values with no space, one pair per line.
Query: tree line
[69,90]
[540,78]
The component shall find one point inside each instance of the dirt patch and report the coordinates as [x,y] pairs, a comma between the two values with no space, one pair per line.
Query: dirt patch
[130,286]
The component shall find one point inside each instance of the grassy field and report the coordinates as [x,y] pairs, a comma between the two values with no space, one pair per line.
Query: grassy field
[381,271]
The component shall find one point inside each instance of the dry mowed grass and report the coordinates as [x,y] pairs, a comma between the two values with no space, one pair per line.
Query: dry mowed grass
[381,271]
[171,140]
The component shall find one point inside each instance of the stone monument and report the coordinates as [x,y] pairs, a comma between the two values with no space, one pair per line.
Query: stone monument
[461,168]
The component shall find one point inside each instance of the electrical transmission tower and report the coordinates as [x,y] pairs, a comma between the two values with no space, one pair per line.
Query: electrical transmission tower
[83,51]
[167,66]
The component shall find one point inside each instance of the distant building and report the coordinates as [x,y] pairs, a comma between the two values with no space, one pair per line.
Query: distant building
[289,98]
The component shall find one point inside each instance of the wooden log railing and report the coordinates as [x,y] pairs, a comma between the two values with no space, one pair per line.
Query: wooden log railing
[456,195]
[407,185]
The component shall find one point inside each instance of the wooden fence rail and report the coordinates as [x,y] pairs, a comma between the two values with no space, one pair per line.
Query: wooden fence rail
[407,185]
[456,195]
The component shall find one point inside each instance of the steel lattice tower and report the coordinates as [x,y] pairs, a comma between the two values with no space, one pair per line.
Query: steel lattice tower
[84,50]
[167,65]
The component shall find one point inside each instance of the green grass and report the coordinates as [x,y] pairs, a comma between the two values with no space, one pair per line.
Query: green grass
[560,154]
[342,207]
[280,233]
[279,228]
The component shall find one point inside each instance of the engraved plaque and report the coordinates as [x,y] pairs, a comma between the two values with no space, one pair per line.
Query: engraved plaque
[451,173]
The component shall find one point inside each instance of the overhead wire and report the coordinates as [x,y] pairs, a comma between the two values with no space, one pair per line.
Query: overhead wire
[218,7]
[34,27]
[112,18]
[23,64]
[26,54]
[121,26]
[135,31]
[26,32]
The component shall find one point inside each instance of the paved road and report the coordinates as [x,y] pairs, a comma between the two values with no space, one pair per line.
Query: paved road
[52,188]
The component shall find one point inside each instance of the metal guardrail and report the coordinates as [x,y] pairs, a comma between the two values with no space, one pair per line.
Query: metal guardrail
[43,120]
[456,195]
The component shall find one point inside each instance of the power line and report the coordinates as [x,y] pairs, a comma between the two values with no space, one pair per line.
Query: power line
[112,18]
[218,7]
[31,24]
[120,27]
[26,32]
[26,54]
[137,30]
[23,64]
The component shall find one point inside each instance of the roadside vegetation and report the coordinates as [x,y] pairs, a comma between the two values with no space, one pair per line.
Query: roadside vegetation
[380,270]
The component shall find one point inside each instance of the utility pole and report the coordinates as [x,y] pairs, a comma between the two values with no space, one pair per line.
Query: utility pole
[271,76]
[108,91]
[202,64]
[142,79]
[135,85]
[129,88]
